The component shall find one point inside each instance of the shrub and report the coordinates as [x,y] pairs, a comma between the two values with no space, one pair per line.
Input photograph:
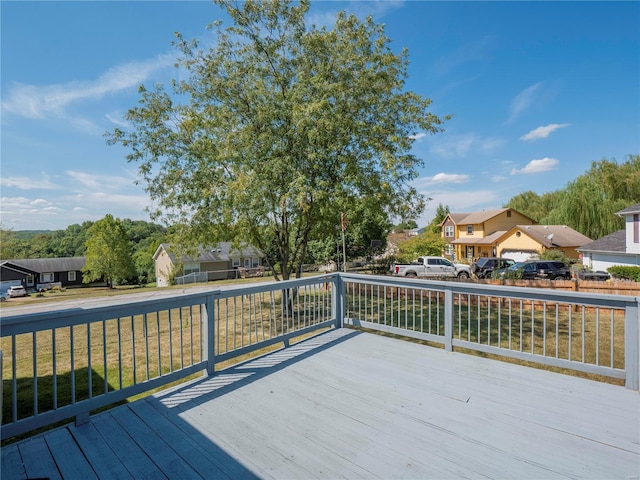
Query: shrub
[625,272]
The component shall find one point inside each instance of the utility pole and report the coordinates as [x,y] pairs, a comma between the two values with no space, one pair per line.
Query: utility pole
[343,225]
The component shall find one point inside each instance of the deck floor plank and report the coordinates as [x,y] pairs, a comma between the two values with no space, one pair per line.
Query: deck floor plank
[12,466]
[106,461]
[37,459]
[203,459]
[352,405]
[135,459]
[68,457]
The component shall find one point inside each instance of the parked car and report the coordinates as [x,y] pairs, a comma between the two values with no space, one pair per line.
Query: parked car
[16,291]
[583,273]
[434,267]
[485,266]
[4,296]
[539,269]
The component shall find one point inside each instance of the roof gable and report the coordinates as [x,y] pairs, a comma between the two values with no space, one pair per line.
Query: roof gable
[554,235]
[475,218]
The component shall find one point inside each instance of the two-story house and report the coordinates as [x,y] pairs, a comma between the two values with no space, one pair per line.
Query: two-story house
[474,235]
[618,248]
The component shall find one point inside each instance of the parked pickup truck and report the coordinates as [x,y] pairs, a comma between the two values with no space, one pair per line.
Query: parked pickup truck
[432,267]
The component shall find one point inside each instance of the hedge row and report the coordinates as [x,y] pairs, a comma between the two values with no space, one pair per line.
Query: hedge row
[625,272]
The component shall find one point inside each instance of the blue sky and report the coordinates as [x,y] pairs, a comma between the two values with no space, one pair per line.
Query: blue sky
[537,90]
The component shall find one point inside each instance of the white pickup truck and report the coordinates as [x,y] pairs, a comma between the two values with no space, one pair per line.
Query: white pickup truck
[434,267]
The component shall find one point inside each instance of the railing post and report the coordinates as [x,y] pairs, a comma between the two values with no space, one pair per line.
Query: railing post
[208,334]
[448,319]
[338,300]
[632,346]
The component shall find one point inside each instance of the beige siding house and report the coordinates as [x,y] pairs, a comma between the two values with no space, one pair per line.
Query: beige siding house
[210,263]
[525,241]
[473,235]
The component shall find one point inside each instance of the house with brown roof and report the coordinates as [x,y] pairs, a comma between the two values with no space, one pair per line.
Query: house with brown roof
[474,235]
[618,248]
[525,241]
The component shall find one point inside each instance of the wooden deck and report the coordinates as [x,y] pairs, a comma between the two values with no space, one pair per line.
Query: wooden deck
[354,405]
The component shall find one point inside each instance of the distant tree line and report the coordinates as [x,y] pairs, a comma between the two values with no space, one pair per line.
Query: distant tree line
[136,238]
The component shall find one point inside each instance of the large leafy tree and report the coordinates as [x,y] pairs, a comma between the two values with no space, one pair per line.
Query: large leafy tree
[278,128]
[590,202]
[109,253]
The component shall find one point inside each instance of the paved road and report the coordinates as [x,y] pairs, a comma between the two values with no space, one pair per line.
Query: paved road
[36,307]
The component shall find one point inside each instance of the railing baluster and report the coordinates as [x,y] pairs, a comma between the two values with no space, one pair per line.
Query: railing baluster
[54,362]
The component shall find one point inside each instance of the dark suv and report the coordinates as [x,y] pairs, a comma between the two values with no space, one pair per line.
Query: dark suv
[548,269]
[485,266]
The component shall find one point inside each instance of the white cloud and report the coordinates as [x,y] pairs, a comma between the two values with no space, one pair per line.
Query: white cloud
[418,136]
[117,119]
[459,201]
[543,131]
[523,101]
[39,102]
[100,182]
[537,166]
[459,146]
[29,183]
[450,178]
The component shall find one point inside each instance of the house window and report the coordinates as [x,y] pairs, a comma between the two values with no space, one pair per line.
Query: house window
[247,263]
[469,229]
[448,231]
[191,267]
[448,249]
[46,277]
[255,262]
[636,228]
[236,262]
[71,276]
[508,213]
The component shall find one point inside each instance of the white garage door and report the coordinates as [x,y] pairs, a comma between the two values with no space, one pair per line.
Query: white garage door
[519,255]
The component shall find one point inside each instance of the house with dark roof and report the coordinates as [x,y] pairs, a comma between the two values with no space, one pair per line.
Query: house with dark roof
[33,273]
[618,248]
[208,263]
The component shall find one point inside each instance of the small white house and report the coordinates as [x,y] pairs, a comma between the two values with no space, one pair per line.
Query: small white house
[618,248]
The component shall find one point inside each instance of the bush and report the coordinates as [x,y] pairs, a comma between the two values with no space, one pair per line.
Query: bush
[625,272]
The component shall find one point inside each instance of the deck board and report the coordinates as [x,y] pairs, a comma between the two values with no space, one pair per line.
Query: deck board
[354,405]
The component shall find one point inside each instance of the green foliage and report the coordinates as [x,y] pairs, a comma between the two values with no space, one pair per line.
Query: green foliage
[553,254]
[408,225]
[441,214]
[282,127]
[625,272]
[109,253]
[71,242]
[509,274]
[589,203]
[427,243]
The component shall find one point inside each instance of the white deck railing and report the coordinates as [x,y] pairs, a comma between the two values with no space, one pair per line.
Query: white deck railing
[67,363]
